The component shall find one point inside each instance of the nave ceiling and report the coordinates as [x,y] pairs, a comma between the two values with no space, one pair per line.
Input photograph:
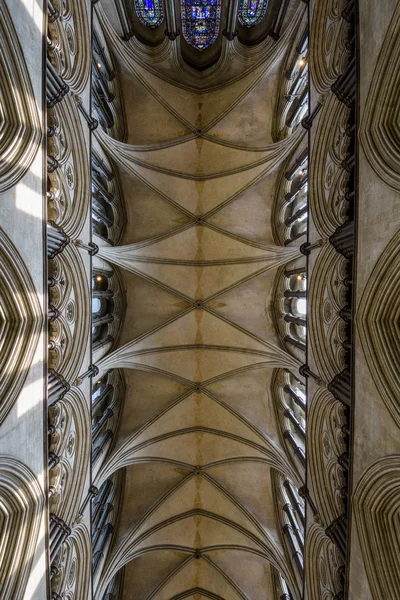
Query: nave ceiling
[200,297]
[199,443]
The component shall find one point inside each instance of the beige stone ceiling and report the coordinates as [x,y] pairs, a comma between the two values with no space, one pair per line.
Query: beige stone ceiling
[198,435]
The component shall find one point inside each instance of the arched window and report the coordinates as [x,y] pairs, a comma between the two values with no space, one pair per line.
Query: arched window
[293,518]
[100,104]
[101,57]
[102,211]
[102,310]
[297,97]
[108,211]
[107,206]
[104,516]
[200,22]
[252,11]
[295,310]
[296,198]
[150,12]
[292,408]
[101,389]
[99,168]
[296,88]
[106,402]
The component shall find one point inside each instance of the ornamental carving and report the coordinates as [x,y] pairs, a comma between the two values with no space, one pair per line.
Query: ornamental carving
[70,297]
[325,443]
[69,184]
[328,186]
[71,59]
[70,442]
[323,566]
[329,54]
[73,564]
[326,297]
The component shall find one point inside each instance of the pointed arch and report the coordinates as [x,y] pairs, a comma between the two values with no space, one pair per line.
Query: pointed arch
[200,22]
[21,511]
[21,321]
[252,12]
[21,133]
[150,12]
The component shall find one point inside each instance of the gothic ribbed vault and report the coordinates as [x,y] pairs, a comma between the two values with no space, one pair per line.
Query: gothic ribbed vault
[198,435]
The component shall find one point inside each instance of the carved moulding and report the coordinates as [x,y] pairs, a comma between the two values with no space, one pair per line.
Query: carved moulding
[71,297]
[21,321]
[379,128]
[328,52]
[327,186]
[21,510]
[325,444]
[71,48]
[70,182]
[20,128]
[326,296]
[322,565]
[376,505]
[71,441]
[378,325]
[74,564]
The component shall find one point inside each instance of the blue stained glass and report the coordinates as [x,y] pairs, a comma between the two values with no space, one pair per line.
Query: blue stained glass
[150,12]
[252,11]
[200,22]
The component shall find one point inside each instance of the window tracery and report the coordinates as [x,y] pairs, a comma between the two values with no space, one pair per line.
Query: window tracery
[105,86]
[292,106]
[296,94]
[252,11]
[292,407]
[200,22]
[107,209]
[104,515]
[106,403]
[150,12]
[295,310]
[292,200]
[102,310]
[292,518]
[296,210]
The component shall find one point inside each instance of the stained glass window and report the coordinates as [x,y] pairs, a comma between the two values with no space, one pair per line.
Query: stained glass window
[150,12]
[200,22]
[252,11]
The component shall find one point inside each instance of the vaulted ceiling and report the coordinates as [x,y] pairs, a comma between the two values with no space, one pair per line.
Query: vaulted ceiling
[198,437]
